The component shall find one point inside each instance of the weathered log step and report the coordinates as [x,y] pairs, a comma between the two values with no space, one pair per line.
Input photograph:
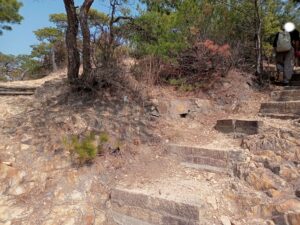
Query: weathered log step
[248,127]
[221,160]
[284,107]
[286,95]
[17,90]
[16,93]
[155,206]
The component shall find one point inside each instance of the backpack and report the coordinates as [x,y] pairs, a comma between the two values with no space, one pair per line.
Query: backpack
[284,42]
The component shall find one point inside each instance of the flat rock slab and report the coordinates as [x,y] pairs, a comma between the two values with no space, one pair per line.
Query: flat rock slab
[284,107]
[221,160]
[248,127]
[180,108]
[286,95]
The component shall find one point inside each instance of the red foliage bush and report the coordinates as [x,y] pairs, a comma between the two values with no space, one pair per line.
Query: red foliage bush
[205,60]
[215,49]
[203,63]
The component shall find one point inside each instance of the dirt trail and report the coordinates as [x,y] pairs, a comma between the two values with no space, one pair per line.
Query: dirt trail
[27,84]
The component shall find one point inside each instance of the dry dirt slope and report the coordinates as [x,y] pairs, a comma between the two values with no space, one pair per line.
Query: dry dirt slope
[165,162]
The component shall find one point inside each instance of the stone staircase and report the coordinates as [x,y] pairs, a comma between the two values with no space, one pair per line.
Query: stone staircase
[180,201]
[285,103]
[154,205]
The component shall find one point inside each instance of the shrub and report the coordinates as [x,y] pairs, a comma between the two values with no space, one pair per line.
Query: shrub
[103,137]
[175,82]
[85,149]
[182,85]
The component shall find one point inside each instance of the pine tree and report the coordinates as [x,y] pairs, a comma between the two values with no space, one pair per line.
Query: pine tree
[9,14]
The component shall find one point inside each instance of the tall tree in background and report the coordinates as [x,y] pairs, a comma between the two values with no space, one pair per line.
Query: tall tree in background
[118,14]
[51,51]
[98,22]
[258,37]
[17,67]
[60,21]
[51,37]
[9,14]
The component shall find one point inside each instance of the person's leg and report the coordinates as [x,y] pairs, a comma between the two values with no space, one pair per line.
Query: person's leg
[280,56]
[297,49]
[288,65]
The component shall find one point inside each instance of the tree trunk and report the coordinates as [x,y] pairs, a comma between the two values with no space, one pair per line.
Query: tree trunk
[86,42]
[113,5]
[258,40]
[71,41]
[54,66]
[24,74]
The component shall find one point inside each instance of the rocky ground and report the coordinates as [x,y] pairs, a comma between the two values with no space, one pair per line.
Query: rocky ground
[40,183]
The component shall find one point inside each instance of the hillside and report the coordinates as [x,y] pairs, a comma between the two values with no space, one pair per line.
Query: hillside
[139,177]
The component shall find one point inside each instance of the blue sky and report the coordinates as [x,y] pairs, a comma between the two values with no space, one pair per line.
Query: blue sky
[36,15]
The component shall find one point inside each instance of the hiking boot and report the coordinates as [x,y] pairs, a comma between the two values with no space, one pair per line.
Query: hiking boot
[285,82]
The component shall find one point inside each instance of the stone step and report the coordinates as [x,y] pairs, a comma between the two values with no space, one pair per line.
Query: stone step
[206,158]
[286,95]
[295,77]
[295,83]
[139,207]
[291,88]
[279,116]
[207,161]
[207,168]
[248,127]
[177,199]
[284,107]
